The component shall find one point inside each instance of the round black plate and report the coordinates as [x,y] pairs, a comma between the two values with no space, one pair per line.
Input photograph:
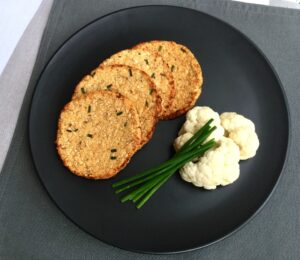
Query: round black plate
[180,217]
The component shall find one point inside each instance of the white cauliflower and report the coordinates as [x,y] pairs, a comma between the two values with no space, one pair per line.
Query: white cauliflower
[195,119]
[231,121]
[218,166]
[181,140]
[242,131]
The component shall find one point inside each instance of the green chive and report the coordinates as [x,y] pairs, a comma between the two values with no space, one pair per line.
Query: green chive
[172,68]
[166,165]
[159,48]
[153,190]
[146,188]
[125,124]
[141,180]
[119,113]
[140,190]
[146,104]
[130,72]
[113,150]
[113,157]
[182,49]
[109,86]
[151,91]
[201,132]
[89,109]
[148,182]
[89,135]
[153,75]
[147,62]
[68,130]
[83,91]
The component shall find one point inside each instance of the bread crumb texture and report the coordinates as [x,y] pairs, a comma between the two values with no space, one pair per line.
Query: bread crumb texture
[156,69]
[131,83]
[97,134]
[186,72]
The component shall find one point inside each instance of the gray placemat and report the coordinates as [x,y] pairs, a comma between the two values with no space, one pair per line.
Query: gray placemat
[31,226]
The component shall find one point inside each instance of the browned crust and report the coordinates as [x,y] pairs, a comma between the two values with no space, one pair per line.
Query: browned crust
[156,97]
[157,101]
[112,172]
[105,177]
[191,102]
[164,112]
[193,97]
[151,83]
[84,78]
[158,106]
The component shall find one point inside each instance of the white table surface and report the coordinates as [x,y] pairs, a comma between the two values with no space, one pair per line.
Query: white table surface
[15,16]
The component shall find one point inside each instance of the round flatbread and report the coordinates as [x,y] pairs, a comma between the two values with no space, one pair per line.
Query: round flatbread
[155,67]
[131,83]
[98,134]
[185,69]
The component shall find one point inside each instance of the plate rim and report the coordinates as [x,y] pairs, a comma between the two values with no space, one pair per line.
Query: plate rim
[243,35]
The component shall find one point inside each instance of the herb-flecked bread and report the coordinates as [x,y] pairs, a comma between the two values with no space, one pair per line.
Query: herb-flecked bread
[186,72]
[155,67]
[98,134]
[133,84]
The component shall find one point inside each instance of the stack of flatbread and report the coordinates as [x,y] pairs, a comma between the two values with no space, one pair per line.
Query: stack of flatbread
[114,109]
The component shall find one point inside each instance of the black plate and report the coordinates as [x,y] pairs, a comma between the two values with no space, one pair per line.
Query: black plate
[180,216]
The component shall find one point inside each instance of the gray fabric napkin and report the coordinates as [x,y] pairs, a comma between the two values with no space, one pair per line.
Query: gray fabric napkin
[31,226]
[16,75]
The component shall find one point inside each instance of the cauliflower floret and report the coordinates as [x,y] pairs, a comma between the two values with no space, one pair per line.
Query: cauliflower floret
[181,140]
[242,131]
[231,121]
[247,141]
[198,117]
[218,166]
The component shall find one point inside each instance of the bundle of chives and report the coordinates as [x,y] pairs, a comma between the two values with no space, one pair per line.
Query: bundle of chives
[148,182]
